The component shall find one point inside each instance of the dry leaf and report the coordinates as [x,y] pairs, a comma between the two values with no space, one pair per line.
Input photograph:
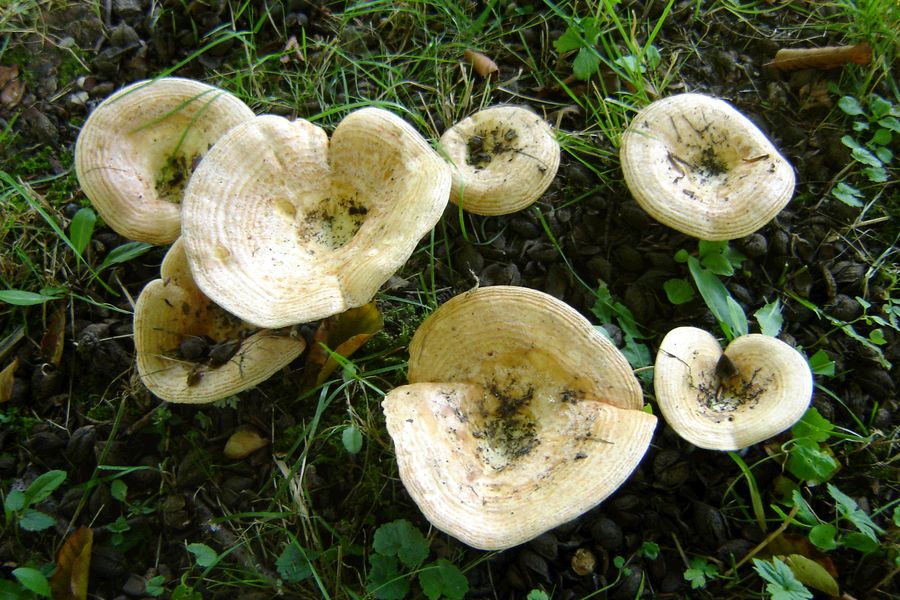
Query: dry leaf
[11,87]
[7,380]
[829,57]
[343,334]
[483,65]
[243,443]
[70,581]
[294,47]
[53,340]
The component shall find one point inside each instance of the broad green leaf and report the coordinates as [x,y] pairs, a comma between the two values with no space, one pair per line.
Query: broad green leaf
[585,64]
[879,107]
[769,318]
[884,154]
[848,194]
[294,565]
[811,573]
[44,485]
[203,554]
[678,291]
[859,541]
[713,291]
[808,462]
[34,520]
[682,256]
[568,41]
[609,310]
[124,253]
[652,57]
[823,536]
[782,584]
[699,572]
[881,137]
[537,595]
[33,580]
[82,228]
[860,153]
[737,319]
[443,579]
[821,364]
[892,123]
[15,500]
[650,550]
[850,106]
[385,581]
[118,489]
[23,298]
[401,539]
[850,510]
[876,174]
[352,439]
[804,512]
[813,426]
[637,354]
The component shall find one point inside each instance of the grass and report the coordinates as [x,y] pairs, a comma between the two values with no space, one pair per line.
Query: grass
[318,497]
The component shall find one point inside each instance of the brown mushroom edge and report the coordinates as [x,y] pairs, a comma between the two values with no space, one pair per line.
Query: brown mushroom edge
[519,417]
[696,164]
[757,388]
[191,351]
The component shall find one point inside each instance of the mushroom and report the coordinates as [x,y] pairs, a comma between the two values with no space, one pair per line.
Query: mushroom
[136,151]
[518,416]
[505,158]
[189,350]
[699,166]
[758,387]
[282,226]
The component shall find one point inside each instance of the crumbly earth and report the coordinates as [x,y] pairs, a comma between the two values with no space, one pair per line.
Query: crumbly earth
[91,410]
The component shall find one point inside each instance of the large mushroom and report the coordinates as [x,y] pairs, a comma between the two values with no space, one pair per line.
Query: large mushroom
[519,416]
[190,350]
[699,166]
[758,387]
[136,151]
[504,158]
[282,226]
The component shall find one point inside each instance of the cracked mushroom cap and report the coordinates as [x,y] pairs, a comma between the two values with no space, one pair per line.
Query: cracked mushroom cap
[696,164]
[136,150]
[519,416]
[282,226]
[190,350]
[505,157]
[760,388]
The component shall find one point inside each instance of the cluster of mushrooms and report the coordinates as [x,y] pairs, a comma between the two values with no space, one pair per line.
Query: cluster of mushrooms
[518,415]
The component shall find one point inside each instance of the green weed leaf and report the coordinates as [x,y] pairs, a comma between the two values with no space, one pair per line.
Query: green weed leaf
[891,123]
[716,296]
[881,137]
[609,310]
[352,439]
[155,586]
[850,510]
[650,550]
[33,580]
[678,291]
[737,319]
[35,520]
[44,485]
[637,354]
[813,426]
[118,489]
[23,298]
[124,253]
[821,364]
[811,573]
[15,500]
[879,107]
[804,512]
[876,174]
[443,579]
[848,194]
[401,539]
[700,572]
[769,318]
[385,581]
[808,462]
[823,536]
[537,595]
[860,153]
[203,554]
[82,228]
[568,41]
[585,64]
[851,106]
[782,584]
[859,541]
[294,565]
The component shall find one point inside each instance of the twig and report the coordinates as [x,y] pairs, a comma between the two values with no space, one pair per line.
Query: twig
[765,542]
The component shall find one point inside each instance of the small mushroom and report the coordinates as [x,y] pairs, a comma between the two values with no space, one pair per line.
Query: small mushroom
[282,226]
[758,387]
[696,164]
[189,350]
[136,151]
[518,417]
[505,157]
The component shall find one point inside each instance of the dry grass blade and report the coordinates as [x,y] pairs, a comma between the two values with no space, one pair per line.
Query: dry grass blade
[829,57]
[483,65]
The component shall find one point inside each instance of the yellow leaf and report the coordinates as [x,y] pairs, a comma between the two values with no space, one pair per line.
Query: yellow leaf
[811,573]
[343,334]
[53,340]
[7,379]
[70,581]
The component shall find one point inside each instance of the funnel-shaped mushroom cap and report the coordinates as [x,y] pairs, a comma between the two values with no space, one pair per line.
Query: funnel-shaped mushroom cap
[505,157]
[136,151]
[283,227]
[190,350]
[519,416]
[761,387]
[699,166]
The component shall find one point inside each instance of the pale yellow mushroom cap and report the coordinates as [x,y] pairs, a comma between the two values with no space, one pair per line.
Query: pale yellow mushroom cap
[519,416]
[696,164]
[282,226]
[504,158]
[172,309]
[136,151]
[767,393]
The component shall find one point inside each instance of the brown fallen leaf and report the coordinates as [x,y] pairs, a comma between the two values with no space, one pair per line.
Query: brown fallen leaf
[11,87]
[294,48]
[343,334]
[7,379]
[53,340]
[70,580]
[484,66]
[829,57]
